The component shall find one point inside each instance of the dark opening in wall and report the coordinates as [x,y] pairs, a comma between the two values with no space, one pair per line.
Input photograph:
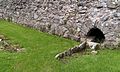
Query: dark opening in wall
[96,34]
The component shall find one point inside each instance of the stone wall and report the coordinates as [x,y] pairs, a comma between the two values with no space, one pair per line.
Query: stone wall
[67,18]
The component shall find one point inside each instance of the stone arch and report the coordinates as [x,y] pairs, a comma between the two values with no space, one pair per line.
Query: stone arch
[96,34]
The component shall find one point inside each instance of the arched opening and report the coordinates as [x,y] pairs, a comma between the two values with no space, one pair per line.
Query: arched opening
[96,34]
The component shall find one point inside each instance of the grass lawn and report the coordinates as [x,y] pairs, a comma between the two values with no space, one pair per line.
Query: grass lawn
[41,49]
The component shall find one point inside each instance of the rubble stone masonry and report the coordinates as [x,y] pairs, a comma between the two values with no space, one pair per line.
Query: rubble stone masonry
[67,18]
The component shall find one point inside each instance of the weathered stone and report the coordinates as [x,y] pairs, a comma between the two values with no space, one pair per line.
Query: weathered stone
[105,18]
[6,46]
[59,56]
[35,16]
[71,51]
[111,4]
[66,34]
[63,17]
[117,14]
[82,12]
[99,5]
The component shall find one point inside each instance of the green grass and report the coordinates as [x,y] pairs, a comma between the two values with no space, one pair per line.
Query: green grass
[41,49]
